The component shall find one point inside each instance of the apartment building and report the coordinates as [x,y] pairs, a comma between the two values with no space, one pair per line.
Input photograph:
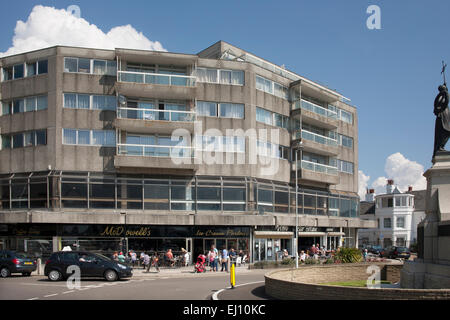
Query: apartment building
[123,149]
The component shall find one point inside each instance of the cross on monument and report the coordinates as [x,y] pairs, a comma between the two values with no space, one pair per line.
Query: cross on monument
[444,66]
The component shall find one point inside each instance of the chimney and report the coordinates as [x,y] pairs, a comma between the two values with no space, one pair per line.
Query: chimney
[370,195]
[390,186]
[410,189]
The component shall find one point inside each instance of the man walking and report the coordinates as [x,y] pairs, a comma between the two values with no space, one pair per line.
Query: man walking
[224,259]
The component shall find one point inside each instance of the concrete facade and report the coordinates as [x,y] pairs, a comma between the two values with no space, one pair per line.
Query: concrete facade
[60,162]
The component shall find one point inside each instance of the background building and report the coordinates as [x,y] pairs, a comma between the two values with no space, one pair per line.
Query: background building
[397,215]
[87,158]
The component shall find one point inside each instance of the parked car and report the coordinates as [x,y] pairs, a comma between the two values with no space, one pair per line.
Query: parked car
[375,249]
[396,252]
[16,262]
[90,264]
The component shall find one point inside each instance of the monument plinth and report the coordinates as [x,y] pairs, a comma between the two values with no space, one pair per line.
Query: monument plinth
[431,270]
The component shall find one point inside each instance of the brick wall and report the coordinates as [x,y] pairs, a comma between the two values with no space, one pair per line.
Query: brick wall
[302,283]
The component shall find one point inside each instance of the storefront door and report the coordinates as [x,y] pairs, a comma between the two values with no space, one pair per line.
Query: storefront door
[259,250]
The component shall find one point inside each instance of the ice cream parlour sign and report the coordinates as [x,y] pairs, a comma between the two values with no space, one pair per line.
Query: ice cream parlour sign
[222,232]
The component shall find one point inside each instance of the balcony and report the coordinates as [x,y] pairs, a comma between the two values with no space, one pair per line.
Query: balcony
[314,114]
[154,121]
[317,143]
[311,171]
[155,85]
[155,159]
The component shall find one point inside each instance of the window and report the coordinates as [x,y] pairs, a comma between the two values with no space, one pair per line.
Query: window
[38,67]
[400,222]
[7,73]
[31,69]
[104,102]
[26,139]
[83,101]
[105,138]
[70,65]
[233,77]
[18,106]
[42,66]
[345,141]
[83,65]
[264,116]
[345,166]
[105,67]
[387,223]
[6,108]
[271,87]
[346,116]
[231,110]
[19,71]
[208,109]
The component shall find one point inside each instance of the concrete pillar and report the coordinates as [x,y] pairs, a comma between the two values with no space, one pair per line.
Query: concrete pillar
[356,238]
[56,241]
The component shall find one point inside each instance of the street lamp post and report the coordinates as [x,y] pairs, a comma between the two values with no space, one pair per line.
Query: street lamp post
[297,146]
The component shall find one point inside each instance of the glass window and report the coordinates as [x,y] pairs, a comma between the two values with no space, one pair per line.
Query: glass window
[208,109]
[84,65]
[6,141]
[346,116]
[70,65]
[208,194]
[30,104]
[230,110]
[265,195]
[70,136]
[31,69]
[99,66]
[84,137]
[43,66]
[264,116]
[207,75]
[41,137]
[233,194]
[7,73]
[70,100]
[225,76]
[237,77]
[111,68]
[387,222]
[400,222]
[6,108]
[18,140]
[18,106]
[29,139]
[42,103]
[83,101]
[18,71]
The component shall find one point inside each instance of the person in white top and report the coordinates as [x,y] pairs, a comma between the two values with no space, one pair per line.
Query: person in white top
[302,256]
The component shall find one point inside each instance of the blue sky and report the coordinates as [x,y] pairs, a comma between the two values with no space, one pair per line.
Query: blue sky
[391,74]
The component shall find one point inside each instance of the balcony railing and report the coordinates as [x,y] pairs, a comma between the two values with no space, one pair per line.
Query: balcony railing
[158,115]
[156,78]
[306,105]
[317,167]
[155,151]
[316,138]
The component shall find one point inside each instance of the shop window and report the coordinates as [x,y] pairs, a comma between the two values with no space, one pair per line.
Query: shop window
[265,195]
[208,194]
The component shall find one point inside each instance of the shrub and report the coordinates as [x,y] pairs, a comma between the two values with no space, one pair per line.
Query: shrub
[312,261]
[288,262]
[349,255]
[329,261]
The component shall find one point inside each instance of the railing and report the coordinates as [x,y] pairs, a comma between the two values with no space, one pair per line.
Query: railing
[316,138]
[155,151]
[317,167]
[156,78]
[159,115]
[306,105]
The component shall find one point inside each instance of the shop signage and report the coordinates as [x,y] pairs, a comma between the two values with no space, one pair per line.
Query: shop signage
[308,229]
[119,231]
[220,233]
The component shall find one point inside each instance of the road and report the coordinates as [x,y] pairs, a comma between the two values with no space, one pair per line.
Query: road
[162,286]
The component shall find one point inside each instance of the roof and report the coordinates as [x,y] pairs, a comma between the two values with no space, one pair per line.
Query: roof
[366,207]
[419,199]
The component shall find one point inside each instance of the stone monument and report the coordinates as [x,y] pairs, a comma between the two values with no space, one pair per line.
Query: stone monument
[431,269]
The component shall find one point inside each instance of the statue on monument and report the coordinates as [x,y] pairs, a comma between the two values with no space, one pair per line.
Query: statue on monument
[442,112]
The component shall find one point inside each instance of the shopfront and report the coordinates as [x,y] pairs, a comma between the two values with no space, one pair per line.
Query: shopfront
[41,240]
[269,245]
[330,238]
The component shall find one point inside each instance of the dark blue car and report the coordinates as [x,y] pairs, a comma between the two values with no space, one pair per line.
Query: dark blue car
[91,265]
[16,262]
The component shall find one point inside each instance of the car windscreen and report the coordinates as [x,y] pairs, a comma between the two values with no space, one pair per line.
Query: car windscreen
[402,249]
[101,257]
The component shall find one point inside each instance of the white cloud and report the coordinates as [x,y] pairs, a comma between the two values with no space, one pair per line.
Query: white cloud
[403,171]
[47,26]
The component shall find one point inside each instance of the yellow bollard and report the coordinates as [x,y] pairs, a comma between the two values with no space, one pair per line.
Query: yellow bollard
[232,276]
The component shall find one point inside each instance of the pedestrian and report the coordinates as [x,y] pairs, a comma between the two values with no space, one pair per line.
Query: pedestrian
[115,256]
[216,260]
[133,258]
[121,257]
[224,259]
[155,260]
[302,256]
[142,258]
[365,254]
[212,259]
[146,262]
[233,256]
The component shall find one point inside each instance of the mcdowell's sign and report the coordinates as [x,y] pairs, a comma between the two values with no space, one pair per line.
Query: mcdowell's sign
[119,231]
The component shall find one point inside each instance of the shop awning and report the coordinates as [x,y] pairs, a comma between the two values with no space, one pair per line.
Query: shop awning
[273,234]
[311,234]
[335,234]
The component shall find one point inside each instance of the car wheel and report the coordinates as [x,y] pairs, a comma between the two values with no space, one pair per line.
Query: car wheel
[26,274]
[110,275]
[54,275]
[5,272]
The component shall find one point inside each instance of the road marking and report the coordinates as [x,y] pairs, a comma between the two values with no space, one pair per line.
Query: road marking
[35,298]
[68,291]
[43,284]
[51,295]
[215,295]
